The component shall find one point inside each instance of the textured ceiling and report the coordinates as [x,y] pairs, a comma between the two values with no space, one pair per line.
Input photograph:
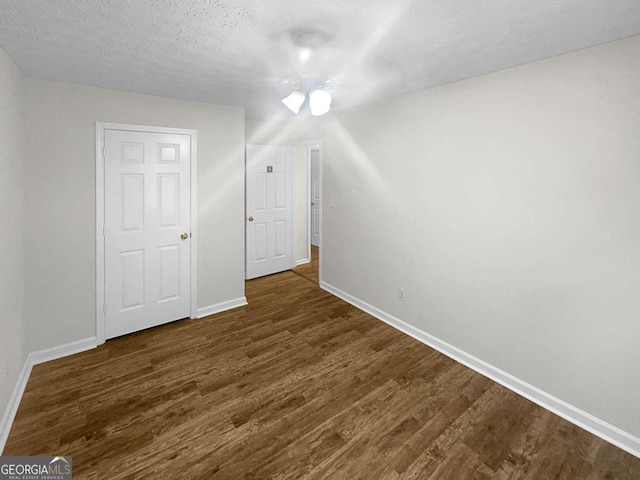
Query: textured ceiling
[240,52]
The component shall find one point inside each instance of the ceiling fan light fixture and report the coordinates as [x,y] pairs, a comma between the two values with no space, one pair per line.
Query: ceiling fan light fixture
[319,102]
[305,54]
[294,101]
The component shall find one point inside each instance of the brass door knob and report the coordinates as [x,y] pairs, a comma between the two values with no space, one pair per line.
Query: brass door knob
[184,235]
[250,219]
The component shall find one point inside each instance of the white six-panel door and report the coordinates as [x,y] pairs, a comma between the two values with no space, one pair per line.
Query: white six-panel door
[146,229]
[269,220]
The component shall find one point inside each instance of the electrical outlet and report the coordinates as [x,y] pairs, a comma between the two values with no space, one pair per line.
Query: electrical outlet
[402,296]
[333,201]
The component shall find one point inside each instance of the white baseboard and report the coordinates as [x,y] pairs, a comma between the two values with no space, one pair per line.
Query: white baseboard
[221,307]
[32,359]
[597,426]
[54,353]
[302,262]
[14,403]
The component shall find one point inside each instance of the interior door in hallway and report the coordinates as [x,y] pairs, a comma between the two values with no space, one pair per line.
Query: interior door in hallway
[269,215]
[316,198]
[147,229]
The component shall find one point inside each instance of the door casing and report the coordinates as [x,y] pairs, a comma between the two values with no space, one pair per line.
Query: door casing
[100,127]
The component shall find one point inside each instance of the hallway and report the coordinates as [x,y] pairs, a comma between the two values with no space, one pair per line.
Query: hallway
[310,270]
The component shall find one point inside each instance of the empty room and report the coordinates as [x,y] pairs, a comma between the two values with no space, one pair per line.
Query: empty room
[307,240]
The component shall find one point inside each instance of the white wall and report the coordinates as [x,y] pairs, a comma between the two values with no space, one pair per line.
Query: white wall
[13,323]
[60,185]
[508,207]
[284,131]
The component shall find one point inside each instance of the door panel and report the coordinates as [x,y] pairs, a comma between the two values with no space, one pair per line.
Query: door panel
[269,177]
[132,279]
[133,198]
[169,272]
[169,200]
[280,237]
[147,207]
[132,153]
[260,242]
[260,196]
[280,191]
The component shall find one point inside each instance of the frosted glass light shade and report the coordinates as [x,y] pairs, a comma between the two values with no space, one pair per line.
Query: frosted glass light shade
[294,101]
[319,102]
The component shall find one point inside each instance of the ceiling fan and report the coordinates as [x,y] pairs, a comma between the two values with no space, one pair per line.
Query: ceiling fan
[309,85]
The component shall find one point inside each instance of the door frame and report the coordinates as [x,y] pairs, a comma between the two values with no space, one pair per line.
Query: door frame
[100,128]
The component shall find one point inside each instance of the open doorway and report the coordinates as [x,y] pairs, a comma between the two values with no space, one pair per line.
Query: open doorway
[309,265]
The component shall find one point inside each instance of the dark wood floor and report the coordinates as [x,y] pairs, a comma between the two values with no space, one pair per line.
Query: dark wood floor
[298,384]
[310,270]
